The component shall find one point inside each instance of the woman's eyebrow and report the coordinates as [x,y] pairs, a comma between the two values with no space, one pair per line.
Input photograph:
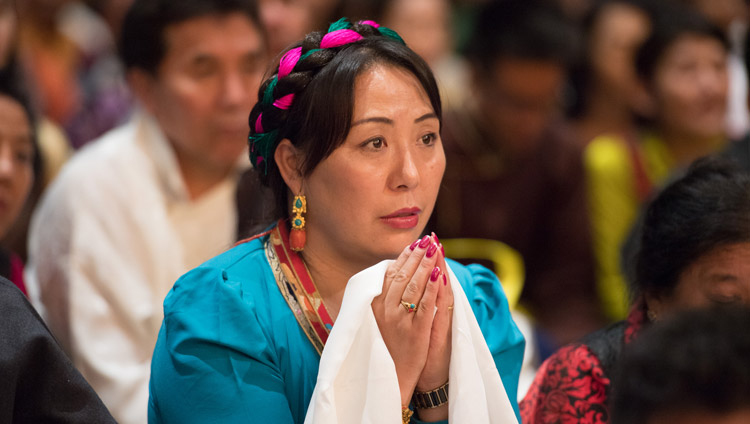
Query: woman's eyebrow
[390,121]
[425,117]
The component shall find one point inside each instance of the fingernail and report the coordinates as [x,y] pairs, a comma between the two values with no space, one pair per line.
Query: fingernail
[445,280]
[424,242]
[437,240]
[441,249]
[435,273]
[414,245]
[431,250]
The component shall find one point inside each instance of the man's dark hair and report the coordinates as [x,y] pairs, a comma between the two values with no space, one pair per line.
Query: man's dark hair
[142,41]
[706,209]
[696,361]
[521,29]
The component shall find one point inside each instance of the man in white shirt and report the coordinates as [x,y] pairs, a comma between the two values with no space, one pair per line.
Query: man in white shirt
[148,201]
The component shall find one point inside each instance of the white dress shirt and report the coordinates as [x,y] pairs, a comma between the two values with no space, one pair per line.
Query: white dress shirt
[107,242]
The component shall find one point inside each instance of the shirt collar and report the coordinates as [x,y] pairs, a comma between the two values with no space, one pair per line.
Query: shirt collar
[162,155]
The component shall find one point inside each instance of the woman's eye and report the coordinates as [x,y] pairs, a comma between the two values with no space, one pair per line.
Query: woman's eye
[429,138]
[375,143]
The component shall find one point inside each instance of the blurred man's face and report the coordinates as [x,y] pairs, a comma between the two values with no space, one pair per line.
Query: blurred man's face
[204,89]
[518,99]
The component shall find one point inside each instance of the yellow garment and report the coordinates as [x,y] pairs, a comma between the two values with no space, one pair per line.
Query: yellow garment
[613,206]
[54,149]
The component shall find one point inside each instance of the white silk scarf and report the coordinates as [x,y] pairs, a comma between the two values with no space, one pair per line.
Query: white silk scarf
[357,380]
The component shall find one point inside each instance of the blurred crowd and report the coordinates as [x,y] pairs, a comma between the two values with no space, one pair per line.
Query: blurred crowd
[123,158]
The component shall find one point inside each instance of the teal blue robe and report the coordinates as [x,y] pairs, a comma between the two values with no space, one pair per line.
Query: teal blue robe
[230,350]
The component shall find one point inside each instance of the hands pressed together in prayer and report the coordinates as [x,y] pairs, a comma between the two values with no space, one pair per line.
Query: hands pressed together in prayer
[417,335]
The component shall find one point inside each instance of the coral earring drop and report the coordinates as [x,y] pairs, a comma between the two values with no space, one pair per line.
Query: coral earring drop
[298,236]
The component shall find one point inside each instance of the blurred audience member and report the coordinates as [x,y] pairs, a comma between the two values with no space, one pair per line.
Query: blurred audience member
[739,150]
[19,167]
[731,16]
[68,53]
[682,69]
[148,201]
[694,252]
[512,173]
[691,369]
[52,145]
[606,97]
[40,384]
[427,28]
[287,21]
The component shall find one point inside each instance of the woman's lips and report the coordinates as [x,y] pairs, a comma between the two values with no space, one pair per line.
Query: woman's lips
[403,218]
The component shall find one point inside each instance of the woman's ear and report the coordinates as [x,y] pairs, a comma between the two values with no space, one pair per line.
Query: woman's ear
[289,161]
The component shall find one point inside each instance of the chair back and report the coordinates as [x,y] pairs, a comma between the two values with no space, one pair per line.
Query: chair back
[507,262]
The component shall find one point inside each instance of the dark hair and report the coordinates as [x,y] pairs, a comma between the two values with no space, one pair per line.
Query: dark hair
[322,82]
[707,208]
[695,361]
[142,43]
[672,22]
[521,29]
[11,86]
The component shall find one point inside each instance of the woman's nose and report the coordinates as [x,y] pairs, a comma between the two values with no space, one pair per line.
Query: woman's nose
[405,172]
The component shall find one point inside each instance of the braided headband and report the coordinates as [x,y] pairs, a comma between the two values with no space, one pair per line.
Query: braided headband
[263,140]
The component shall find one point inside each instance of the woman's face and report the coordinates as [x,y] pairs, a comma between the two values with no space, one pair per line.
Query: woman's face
[689,88]
[374,194]
[423,24]
[16,158]
[720,277]
[615,37]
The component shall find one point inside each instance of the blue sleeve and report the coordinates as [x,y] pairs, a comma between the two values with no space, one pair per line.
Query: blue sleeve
[213,362]
[491,309]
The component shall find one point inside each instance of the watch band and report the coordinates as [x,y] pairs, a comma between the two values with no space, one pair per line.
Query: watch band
[431,399]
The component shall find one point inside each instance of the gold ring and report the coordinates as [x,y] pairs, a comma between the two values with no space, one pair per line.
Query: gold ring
[410,307]
[450,308]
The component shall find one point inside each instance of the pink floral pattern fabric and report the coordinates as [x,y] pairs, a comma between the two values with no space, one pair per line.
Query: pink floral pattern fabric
[571,386]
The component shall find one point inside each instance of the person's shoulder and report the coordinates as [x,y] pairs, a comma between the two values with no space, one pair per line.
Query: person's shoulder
[98,162]
[569,383]
[241,258]
[605,152]
[479,284]
[10,295]
[105,150]
[21,320]
[237,273]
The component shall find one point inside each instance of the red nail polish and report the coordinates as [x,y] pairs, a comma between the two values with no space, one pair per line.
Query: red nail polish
[435,273]
[445,280]
[424,242]
[437,240]
[442,249]
[414,245]
[431,250]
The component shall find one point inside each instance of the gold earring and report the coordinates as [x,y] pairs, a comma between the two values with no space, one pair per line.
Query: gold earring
[652,315]
[298,236]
